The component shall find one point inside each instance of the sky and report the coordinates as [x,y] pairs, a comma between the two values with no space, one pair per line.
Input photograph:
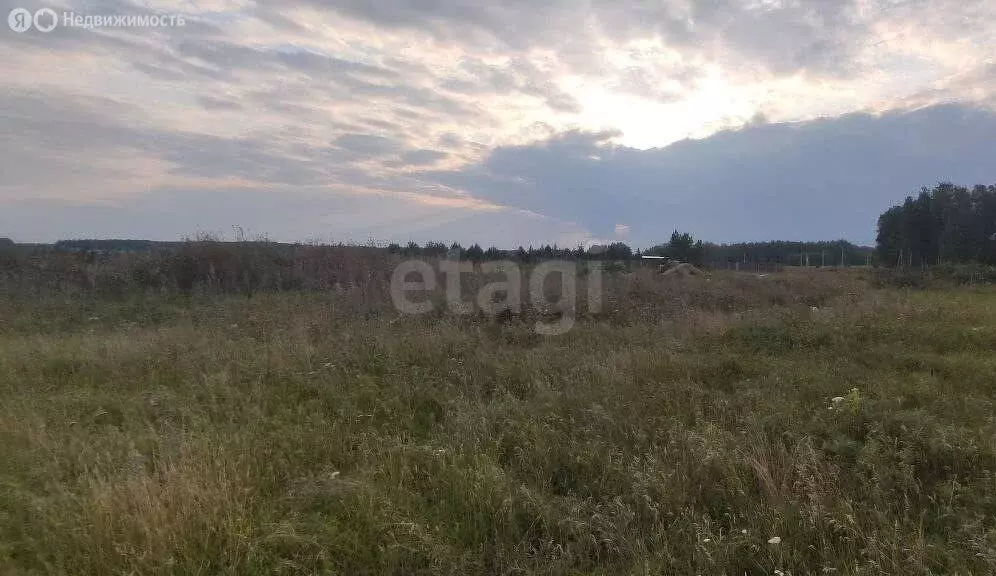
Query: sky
[504,123]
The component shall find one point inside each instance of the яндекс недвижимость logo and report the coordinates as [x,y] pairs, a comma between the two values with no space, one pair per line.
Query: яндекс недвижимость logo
[46,19]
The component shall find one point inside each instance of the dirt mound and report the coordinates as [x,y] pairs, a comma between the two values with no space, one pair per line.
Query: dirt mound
[683,269]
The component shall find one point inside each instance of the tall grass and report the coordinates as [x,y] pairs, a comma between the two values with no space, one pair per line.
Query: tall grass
[677,432]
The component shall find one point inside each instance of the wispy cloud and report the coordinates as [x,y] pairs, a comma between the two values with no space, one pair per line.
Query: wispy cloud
[505,114]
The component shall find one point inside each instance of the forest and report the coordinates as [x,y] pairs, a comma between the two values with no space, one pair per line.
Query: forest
[946,224]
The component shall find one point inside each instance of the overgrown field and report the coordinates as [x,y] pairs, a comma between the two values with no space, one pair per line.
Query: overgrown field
[690,428]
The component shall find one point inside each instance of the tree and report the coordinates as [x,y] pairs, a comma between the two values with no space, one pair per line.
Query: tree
[412,249]
[946,224]
[685,248]
[521,255]
[437,249]
[475,253]
[618,251]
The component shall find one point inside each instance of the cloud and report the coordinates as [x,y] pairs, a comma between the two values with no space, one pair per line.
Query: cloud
[281,214]
[547,114]
[518,75]
[783,36]
[420,158]
[366,144]
[212,103]
[827,178]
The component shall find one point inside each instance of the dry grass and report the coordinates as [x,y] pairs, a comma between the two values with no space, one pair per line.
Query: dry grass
[675,432]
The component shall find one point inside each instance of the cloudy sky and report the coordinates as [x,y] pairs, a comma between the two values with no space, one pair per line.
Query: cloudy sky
[505,122]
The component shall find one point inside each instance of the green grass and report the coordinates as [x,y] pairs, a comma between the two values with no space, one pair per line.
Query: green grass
[675,434]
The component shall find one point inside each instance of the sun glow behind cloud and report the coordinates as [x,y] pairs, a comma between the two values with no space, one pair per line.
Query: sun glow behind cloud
[385,99]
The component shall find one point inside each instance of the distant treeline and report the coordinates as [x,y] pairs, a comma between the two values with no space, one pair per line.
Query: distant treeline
[121,267]
[474,252]
[949,224]
[110,245]
[833,253]
[682,247]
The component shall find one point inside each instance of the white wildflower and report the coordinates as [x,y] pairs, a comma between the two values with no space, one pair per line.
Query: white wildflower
[775,540]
